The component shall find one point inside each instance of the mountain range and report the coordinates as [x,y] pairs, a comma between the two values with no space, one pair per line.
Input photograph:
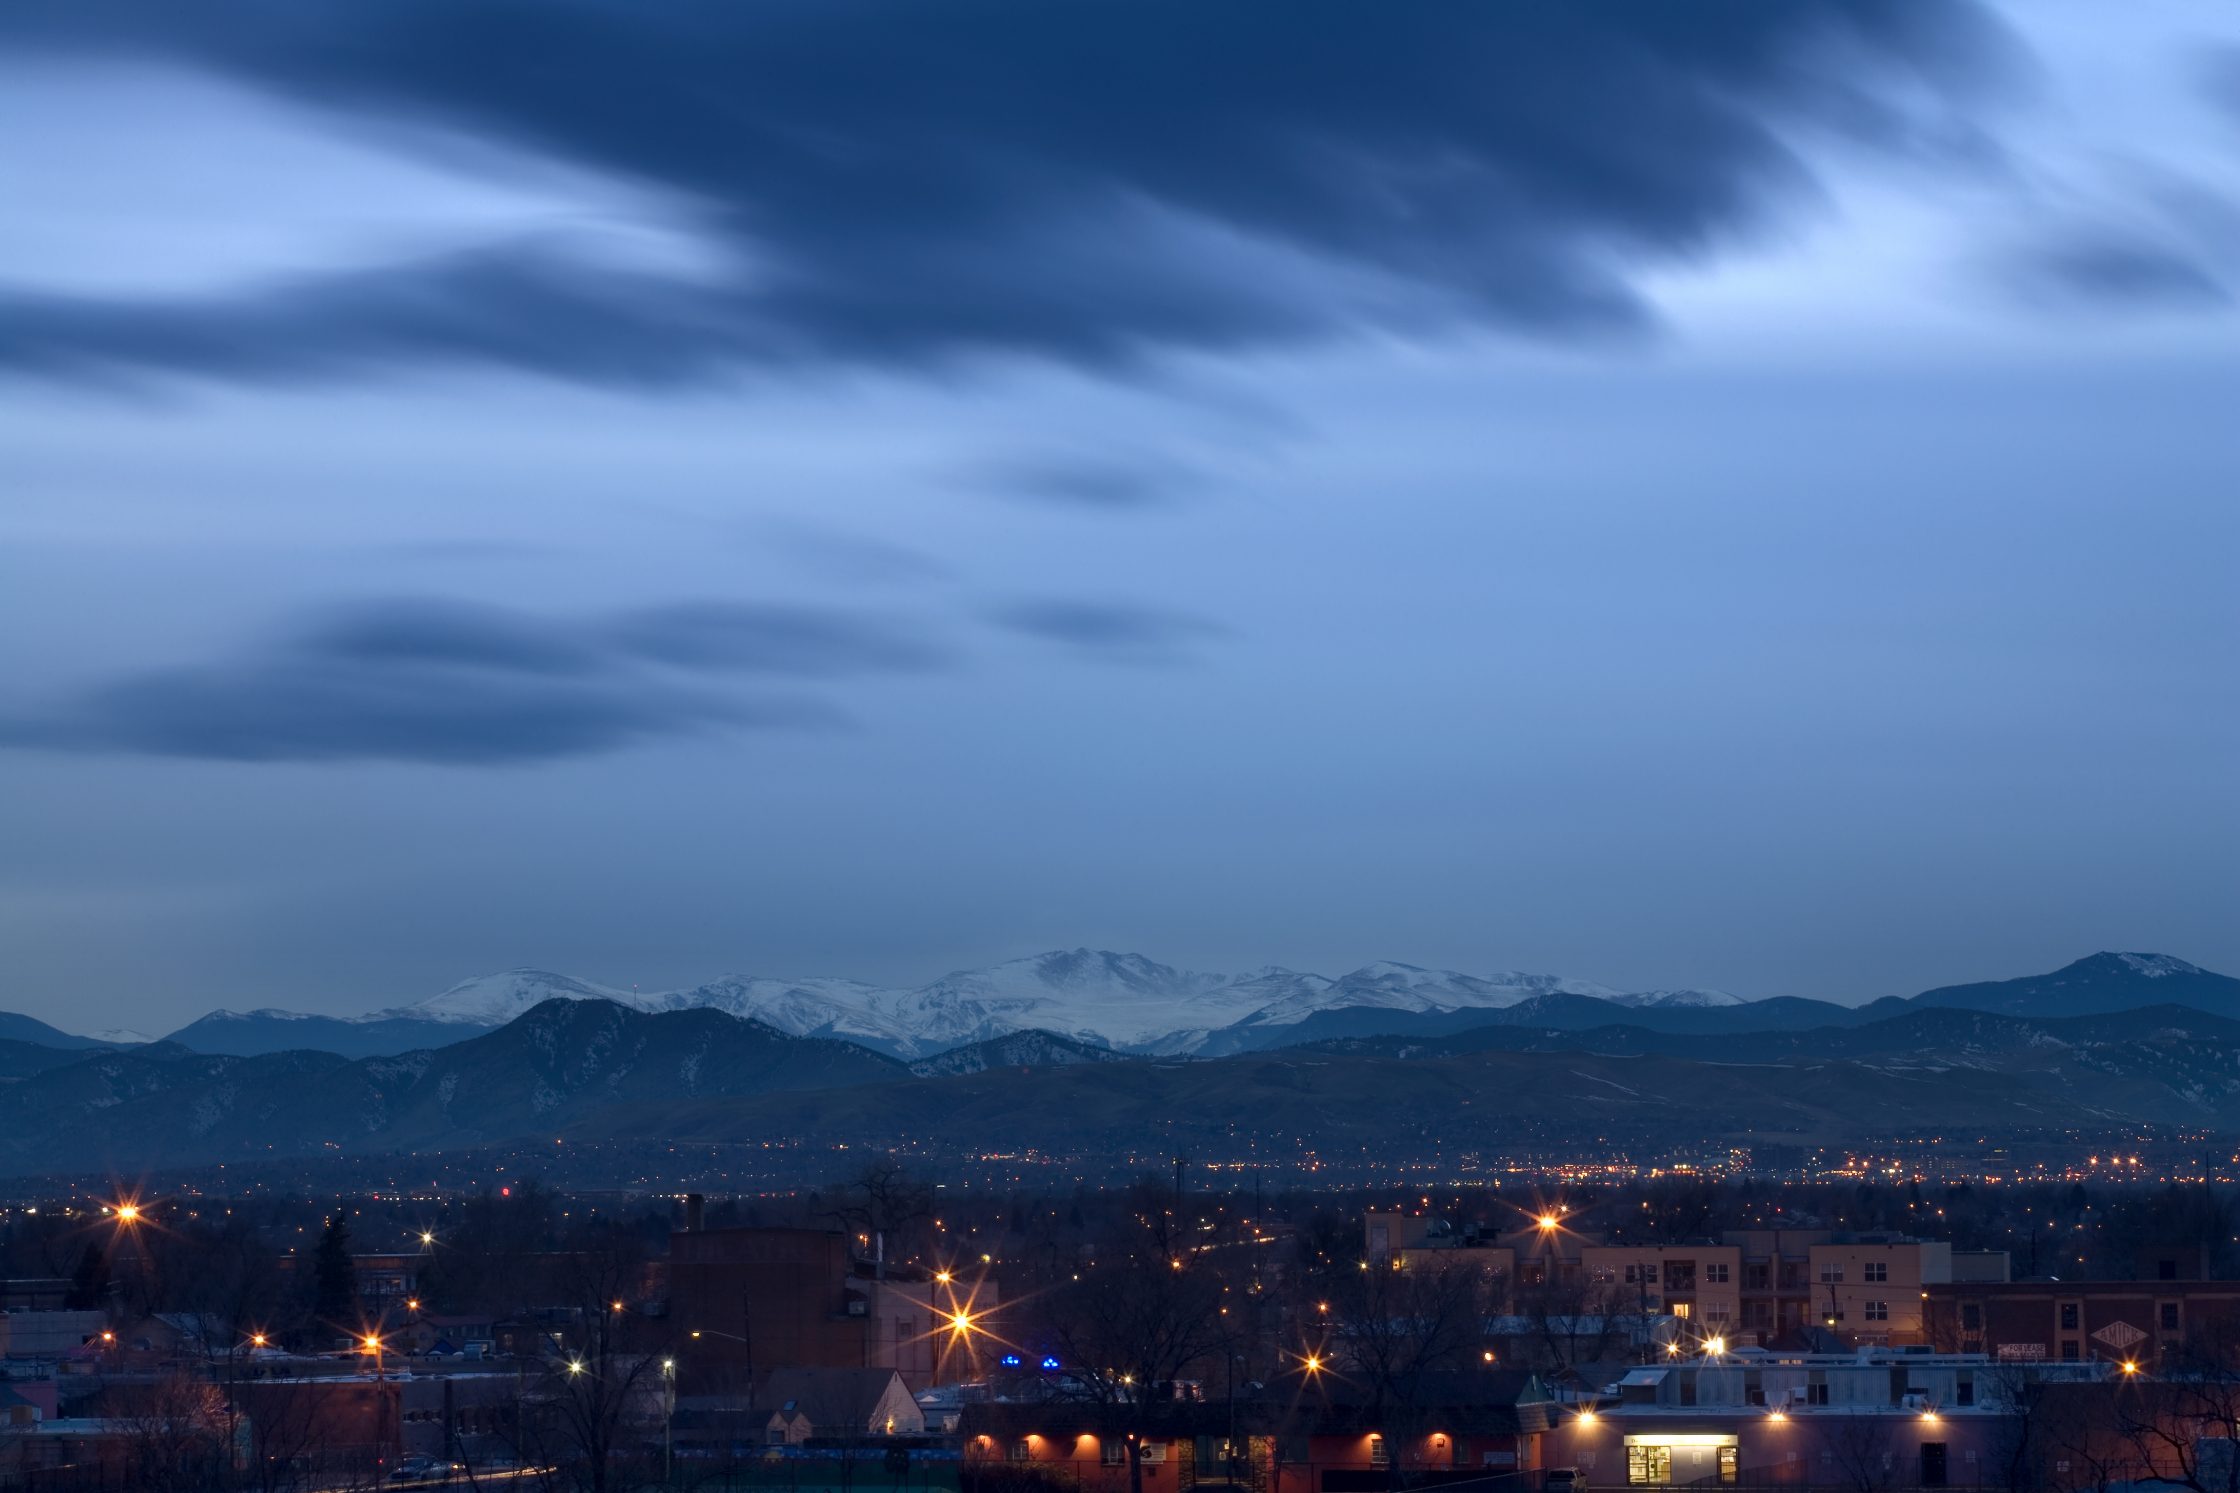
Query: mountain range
[1122,1001]
[1129,1003]
[1533,1072]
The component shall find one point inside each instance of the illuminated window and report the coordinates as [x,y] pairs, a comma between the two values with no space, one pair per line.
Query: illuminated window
[1377,1455]
[1682,1310]
[1730,1463]
[1648,1464]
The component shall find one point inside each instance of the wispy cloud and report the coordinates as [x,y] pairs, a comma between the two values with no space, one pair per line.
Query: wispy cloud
[1110,631]
[437,681]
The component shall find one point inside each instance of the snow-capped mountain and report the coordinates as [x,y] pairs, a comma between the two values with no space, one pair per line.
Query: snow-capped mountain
[1677,1000]
[494,1000]
[1122,1001]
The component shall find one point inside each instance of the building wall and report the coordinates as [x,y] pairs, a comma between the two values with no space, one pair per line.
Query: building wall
[2080,1321]
[1872,1292]
[1699,1283]
[762,1299]
[1874,1451]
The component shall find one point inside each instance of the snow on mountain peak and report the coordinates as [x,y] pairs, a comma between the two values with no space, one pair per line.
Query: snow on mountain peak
[1092,995]
[2155,966]
[1673,1000]
[494,1000]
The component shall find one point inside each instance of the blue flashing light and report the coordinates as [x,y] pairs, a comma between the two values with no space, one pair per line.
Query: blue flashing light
[1049,1362]
[1010,1360]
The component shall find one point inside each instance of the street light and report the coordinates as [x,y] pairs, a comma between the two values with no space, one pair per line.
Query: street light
[128,1213]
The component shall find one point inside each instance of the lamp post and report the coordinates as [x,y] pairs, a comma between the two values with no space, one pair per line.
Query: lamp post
[668,1421]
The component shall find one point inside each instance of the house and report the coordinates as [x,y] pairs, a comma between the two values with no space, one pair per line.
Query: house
[795,1406]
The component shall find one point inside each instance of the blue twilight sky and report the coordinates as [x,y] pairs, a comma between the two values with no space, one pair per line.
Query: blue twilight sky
[1720,494]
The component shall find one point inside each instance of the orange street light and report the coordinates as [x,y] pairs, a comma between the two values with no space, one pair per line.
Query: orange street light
[128,1212]
[1548,1221]
[258,1340]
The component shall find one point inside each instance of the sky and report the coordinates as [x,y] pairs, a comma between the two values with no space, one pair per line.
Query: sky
[1717,495]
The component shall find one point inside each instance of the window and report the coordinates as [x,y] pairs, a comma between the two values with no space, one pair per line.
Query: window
[1756,1278]
[1877,1311]
[1875,1271]
[1114,1451]
[2069,1350]
[1971,1318]
[1730,1463]
[1715,1275]
[1965,1392]
[1648,1464]
[1605,1274]
[2169,1316]
[1832,1271]
[1641,1274]
[1021,1452]
[1816,1393]
[1378,1456]
[1683,1310]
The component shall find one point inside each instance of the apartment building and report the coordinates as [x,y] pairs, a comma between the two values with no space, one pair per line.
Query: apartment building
[2103,1321]
[1701,1284]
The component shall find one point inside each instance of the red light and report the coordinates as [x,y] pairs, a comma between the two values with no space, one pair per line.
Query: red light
[505,1192]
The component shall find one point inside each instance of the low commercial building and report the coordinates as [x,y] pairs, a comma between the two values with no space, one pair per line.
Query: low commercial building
[1873,1418]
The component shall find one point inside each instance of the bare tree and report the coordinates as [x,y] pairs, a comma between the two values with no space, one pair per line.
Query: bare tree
[1860,1446]
[1402,1326]
[1138,1319]
[2183,1426]
[888,1206]
[174,1435]
[596,1409]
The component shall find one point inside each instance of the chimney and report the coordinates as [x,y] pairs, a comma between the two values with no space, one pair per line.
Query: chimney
[695,1212]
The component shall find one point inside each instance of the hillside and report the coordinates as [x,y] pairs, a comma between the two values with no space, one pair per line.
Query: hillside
[129,1110]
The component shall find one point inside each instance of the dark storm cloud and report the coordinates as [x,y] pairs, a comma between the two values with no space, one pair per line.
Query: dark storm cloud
[1117,632]
[446,682]
[1092,182]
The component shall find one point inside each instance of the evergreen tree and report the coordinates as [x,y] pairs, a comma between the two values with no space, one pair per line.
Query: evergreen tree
[89,1283]
[334,1290]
